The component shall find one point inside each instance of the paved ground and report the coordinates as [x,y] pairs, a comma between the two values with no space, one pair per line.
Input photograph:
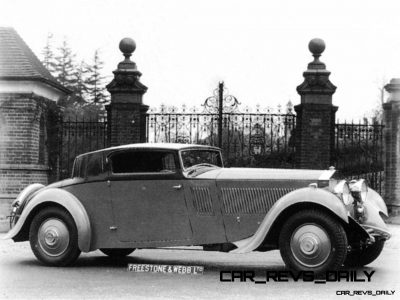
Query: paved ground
[95,276]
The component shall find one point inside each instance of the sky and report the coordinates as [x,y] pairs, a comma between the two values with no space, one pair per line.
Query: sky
[258,48]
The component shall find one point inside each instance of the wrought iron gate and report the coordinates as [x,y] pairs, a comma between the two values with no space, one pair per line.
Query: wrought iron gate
[248,137]
[358,152]
[259,137]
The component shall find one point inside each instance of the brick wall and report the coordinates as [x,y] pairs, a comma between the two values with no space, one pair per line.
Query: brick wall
[127,123]
[391,155]
[22,160]
[13,178]
[314,135]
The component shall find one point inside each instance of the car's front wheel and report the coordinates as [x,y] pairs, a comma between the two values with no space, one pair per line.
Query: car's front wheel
[117,253]
[362,257]
[53,237]
[312,240]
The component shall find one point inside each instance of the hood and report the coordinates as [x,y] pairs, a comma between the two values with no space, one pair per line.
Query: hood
[267,174]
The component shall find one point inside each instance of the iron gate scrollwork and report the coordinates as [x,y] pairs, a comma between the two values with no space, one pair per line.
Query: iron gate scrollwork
[262,137]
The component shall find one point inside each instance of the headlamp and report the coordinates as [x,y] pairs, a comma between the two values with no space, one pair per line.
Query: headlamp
[343,191]
[359,189]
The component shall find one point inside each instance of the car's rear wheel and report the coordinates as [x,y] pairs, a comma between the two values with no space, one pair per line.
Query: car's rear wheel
[117,253]
[312,240]
[362,257]
[53,237]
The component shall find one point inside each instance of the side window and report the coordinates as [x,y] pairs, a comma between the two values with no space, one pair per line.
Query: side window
[143,161]
[168,162]
[95,165]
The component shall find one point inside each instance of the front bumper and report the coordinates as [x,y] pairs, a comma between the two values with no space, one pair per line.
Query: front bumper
[13,217]
[377,233]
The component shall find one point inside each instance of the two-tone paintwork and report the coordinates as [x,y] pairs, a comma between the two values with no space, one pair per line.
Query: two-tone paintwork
[222,205]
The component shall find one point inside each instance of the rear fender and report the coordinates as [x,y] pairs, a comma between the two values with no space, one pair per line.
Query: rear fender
[308,195]
[64,199]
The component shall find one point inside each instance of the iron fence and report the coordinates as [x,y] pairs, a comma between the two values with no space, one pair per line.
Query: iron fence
[358,152]
[77,137]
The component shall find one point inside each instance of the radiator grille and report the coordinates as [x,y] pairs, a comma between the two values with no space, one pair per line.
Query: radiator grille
[251,200]
[202,200]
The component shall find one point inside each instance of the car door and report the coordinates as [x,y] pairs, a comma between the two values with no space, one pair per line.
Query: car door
[148,198]
[91,188]
[205,211]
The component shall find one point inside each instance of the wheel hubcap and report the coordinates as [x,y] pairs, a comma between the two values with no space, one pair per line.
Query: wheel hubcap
[53,237]
[310,245]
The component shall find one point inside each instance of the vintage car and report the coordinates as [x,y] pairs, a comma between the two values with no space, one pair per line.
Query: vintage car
[163,195]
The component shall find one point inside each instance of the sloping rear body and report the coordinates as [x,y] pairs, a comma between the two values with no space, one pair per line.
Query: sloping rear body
[147,196]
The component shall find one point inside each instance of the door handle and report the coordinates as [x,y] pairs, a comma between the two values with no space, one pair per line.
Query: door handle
[177,187]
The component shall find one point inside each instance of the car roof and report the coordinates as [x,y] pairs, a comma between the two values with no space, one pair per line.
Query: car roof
[161,146]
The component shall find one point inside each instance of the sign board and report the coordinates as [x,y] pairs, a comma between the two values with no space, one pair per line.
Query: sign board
[184,270]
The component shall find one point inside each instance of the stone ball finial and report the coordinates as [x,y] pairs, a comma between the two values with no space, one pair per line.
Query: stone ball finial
[127,46]
[316,46]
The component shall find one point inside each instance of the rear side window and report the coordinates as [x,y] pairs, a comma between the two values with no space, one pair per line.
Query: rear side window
[143,162]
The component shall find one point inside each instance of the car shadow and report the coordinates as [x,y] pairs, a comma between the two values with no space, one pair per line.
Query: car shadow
[99,260]
[213,265]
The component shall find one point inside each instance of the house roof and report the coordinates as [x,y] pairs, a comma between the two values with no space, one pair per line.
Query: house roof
[18,62]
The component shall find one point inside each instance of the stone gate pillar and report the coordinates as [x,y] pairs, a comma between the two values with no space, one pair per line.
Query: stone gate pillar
[315,123]
[391,119]
[126,114]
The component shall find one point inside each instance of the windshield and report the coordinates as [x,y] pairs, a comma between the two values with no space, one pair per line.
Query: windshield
[211,158]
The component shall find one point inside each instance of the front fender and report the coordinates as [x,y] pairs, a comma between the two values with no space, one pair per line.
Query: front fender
[304,195]
[374,198]
[66,200]
[372,221]
[26,192]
